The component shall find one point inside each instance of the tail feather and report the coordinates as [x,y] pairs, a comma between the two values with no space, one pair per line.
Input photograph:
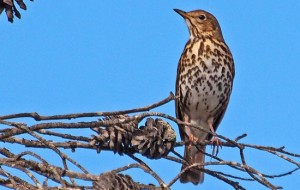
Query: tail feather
[193,155]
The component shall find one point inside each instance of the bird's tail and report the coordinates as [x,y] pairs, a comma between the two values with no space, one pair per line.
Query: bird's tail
[193,155]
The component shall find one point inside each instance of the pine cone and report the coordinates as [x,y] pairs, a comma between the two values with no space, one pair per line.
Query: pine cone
[117,137]
[114,180]
[11,9]
[155,139]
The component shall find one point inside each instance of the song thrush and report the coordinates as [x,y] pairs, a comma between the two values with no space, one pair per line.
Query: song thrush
[203,86]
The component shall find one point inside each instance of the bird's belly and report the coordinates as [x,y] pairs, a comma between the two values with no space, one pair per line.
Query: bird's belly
[205,96]
[203,105]
[205,82]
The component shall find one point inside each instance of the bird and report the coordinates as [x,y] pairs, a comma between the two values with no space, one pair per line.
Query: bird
[204,83]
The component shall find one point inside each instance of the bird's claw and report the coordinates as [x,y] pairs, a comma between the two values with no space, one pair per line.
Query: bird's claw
[192,140]
[216,143]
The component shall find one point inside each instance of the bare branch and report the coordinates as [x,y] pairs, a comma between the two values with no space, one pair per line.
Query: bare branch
[122,134]
[38,117]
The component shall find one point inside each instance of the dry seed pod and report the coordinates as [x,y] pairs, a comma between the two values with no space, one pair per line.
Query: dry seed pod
[117,137]
[11,9]
[114,180]
[155,139]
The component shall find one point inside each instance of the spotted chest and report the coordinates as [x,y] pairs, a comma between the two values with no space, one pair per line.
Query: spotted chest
[205,77]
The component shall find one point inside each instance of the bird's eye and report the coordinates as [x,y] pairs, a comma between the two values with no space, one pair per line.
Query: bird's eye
[202,17]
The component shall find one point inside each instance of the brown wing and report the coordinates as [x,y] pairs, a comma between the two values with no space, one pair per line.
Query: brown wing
[178,107]
[220,116]
[178,100]
[218,119]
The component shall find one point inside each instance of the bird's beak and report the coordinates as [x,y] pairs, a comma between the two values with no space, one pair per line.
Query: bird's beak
[182,13]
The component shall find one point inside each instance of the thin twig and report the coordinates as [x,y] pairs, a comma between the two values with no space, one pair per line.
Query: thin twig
[38,117]
[45,130]
[147,169]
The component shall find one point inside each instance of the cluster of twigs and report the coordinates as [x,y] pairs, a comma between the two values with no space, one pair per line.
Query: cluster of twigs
[11,9]
[118,132]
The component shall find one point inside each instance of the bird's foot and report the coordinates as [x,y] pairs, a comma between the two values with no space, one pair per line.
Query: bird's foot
[192,140]
[216,143]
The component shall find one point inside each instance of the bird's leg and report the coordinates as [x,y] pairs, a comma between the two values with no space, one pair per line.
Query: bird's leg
[215,140]
[191,138]
[188,132]
[189,141]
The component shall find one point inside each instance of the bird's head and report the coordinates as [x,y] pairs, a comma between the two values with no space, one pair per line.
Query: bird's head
[201,24]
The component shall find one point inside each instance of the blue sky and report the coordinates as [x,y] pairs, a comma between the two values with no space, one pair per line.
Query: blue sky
[73,57]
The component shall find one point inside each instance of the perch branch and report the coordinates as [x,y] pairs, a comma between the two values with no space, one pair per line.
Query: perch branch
[117,132]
